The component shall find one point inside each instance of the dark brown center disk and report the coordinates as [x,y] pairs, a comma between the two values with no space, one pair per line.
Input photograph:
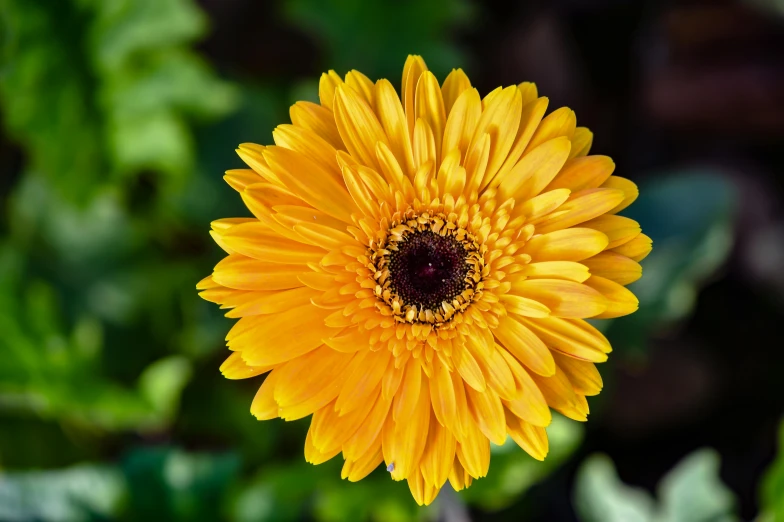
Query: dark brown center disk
[428,269]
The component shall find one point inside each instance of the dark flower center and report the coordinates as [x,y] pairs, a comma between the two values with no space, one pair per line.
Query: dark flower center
[428,269]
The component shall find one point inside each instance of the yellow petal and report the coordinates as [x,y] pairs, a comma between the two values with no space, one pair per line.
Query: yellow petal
[363,466]
[362,377]
[458,476]
[572,244]
[474,451]
[280,337]
[500,120]
[442,395]
[583,173]
[515,304]
[317,119]
[392,171]
[618,229]
[455,83]
[309,144]
[543,204]
[467,367]
[429,106]
[412,70]
[424,144]
[311,182]
[583,375]
[349,341]
[563,298]
[524,345]
[629,189]
[411,436]
[235,368]
[532,439]
[324,236]
[461,122]
[264,406]
[309,383]
[312,454]
[581,207]
[615,267]
[327,84]
[561,122]
[238,179]
[530,404]
[581,142]
[369,431]
[535,170]
[362,85]
[439,454]
[637,249]
[532,114]
[244,273]
[620,301]
[572,337]
[256,241]
[393,120]
[273,302]
[568,270]
[560,395]
[358,126]
[409,391]
[330,430]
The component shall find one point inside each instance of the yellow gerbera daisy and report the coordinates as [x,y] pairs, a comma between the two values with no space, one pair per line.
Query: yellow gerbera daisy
[417,272]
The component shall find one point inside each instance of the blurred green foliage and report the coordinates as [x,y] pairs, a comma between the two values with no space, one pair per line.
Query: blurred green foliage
[772,491]
[690,492]
[108,355]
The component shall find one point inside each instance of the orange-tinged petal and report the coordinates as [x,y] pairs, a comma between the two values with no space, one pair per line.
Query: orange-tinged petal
[408,394]
[516,304]
[474,451]
[369,432]
[439,454]
[363,466]
[411,436]
[458,476]
[244,273]
[312,454]
[568,270]
[330,430]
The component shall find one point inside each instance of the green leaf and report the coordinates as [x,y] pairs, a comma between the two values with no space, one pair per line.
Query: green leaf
[772,490]
[601,497]
[693,492]
[80,493]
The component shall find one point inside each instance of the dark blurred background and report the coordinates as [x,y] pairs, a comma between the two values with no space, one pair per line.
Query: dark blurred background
[118,120]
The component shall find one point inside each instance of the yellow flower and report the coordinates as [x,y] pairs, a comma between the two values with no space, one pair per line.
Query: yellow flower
[418,270]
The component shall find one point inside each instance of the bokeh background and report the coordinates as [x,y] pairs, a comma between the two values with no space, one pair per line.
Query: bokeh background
[118,120]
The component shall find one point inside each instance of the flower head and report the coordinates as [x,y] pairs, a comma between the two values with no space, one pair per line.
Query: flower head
[418,270]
